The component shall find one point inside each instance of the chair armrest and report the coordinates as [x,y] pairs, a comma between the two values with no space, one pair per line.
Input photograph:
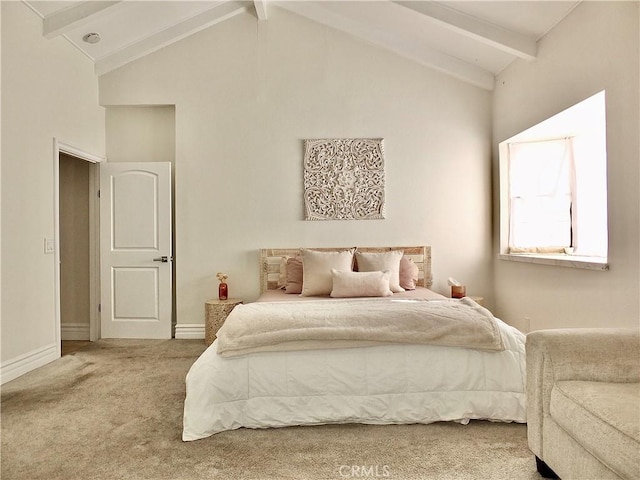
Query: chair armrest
[601,354]
[592,354]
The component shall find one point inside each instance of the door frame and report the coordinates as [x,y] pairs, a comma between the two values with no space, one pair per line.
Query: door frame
[94,236]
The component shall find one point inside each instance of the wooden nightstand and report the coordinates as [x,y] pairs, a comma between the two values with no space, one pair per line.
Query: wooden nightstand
[478,300]
[215,313]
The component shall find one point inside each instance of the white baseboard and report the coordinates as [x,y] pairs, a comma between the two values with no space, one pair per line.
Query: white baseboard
[187,331]
[22,364]
[74,331]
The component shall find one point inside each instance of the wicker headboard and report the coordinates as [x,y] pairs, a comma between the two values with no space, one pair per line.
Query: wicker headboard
[270,262]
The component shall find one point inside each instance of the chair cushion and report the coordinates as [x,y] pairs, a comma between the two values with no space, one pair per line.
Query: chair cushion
[604,418]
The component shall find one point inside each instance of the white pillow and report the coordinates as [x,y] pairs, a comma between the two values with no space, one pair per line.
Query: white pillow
[316,270]
[360,284]
[372,262]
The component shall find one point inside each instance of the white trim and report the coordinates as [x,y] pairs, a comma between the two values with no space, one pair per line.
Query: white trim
[22,364]
[94,253]
[94,264]
[75,331]
[76,152]
[189,331]
[559,260]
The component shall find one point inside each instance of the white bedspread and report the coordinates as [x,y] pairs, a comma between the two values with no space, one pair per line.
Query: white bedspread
[377,385]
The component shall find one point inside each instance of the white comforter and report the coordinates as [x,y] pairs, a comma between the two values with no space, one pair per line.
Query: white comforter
[376,385]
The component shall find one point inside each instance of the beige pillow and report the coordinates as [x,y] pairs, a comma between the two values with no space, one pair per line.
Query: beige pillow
[408,273]
[360,284]
[316,270]
[294,275]
[372,262]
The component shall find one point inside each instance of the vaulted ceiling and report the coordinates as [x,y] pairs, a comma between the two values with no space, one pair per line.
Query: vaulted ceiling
[470,40]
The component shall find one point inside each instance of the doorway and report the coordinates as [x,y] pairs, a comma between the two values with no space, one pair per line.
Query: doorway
[76,246]
[74,252]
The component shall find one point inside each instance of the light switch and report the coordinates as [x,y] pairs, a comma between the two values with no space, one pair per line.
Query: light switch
[48,245]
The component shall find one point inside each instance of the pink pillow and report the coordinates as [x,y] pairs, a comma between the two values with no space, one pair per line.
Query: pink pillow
[360,284]
[294,275]
[408,273]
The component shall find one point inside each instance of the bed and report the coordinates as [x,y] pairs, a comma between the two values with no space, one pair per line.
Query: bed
[407,370]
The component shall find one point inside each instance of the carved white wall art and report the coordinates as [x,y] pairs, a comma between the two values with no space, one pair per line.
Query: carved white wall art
[344,179]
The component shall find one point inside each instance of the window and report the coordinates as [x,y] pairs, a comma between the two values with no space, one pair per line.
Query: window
[553,185]
[540,196]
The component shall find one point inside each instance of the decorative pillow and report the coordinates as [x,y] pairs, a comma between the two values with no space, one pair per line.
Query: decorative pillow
[408,273]
[316,270]
[372,262]
[294,275]
[360,284]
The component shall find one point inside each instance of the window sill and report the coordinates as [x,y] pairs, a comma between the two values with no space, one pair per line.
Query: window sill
[558,260]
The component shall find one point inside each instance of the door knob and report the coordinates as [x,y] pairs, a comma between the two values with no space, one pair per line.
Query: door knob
[163,259]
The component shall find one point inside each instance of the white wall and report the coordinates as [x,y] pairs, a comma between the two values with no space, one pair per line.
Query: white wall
[596,47]
[246,97]
[53,93]
[141,133]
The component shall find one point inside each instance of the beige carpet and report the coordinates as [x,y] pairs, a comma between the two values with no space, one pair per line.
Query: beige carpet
[113,410]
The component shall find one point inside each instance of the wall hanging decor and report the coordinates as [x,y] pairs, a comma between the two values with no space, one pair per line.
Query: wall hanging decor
[344,179]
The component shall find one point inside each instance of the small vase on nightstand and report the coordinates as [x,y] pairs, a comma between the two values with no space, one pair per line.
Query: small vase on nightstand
[223,291]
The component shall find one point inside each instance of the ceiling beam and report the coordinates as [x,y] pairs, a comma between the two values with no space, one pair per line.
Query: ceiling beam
[161,39]
[510,42]
[408,47]
[261,9]
[70,18]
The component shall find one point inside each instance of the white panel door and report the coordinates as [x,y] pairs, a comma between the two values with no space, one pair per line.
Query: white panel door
[135,244]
